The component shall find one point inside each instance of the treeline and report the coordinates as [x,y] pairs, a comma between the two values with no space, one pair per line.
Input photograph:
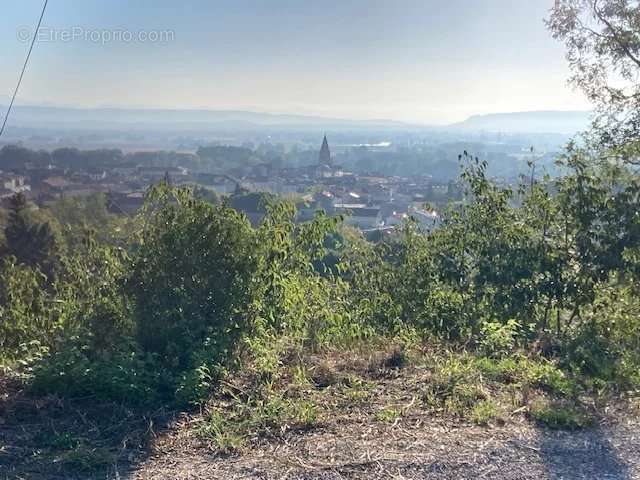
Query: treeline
[163,308]
[14,157]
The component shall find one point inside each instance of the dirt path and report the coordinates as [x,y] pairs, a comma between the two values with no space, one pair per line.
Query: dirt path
[45,438]
[413,449]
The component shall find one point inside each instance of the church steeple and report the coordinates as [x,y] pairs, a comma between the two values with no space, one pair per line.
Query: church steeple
[325,155]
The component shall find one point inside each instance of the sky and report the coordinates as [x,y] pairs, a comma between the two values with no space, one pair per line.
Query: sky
[424,61]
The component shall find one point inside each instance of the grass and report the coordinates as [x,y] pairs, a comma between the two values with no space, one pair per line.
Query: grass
[480,389]
[388,415]
[558,415]
[333,389]
[456,385]
[357,392]
[86,459]
[484,412]
[463,386]
[520,370]
[229,427]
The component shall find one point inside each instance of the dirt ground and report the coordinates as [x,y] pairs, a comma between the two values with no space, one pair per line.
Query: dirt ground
[414,448]
[49,439]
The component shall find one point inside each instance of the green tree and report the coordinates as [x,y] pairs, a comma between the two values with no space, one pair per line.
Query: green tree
[31,242]
[602,39]
[192,278]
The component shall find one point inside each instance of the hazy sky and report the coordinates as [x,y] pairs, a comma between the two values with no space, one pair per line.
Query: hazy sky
[430,61]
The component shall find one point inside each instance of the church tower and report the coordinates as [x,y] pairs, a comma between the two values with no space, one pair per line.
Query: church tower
[325,155]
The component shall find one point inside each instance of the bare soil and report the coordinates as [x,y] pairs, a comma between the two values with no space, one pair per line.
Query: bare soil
[417,448]
[47,438]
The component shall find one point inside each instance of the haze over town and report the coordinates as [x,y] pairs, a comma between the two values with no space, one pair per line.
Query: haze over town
[417,61]
[238,97]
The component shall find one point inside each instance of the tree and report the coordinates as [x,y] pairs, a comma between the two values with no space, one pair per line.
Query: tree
[192,276]
[602,38]
[31,243]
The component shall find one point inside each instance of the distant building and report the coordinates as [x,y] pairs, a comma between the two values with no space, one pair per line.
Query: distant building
[360,215]
[427,219]
[156,174]
[54,187]
[221,184]
[125,202]
[325,167]
[11,184]
[325,154]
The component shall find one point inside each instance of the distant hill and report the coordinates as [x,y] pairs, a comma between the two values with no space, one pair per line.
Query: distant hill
[568,122]
[72,119]
[28,116]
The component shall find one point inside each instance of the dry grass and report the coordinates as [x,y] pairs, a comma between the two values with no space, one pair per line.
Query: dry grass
[339,415]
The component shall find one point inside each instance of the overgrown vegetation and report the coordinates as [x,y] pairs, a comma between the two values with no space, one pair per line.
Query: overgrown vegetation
[524,301]
[193,295]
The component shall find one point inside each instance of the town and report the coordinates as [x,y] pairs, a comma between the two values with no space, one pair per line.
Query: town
[370,202]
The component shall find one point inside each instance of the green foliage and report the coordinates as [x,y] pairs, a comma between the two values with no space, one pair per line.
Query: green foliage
[125,376]
[26,313]
[455,386]
[607,345]
[31,242]
[484,412]
[523,372]
[80,218]
[388,415]
[601,39]
[497,339]
[195,293]
[272,415]
[559,416]
[191,278]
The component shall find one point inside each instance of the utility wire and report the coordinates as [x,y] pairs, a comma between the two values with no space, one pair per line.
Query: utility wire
[24,67]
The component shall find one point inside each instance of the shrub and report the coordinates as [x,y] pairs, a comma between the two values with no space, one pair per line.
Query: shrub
[125,376]
[607,344]
[193,278]
[497,339]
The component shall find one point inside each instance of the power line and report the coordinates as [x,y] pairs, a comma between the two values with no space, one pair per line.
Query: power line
[24,67]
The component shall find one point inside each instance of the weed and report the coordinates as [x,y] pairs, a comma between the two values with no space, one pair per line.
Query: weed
[324,375]
[85,459]
[357,392]
[222,433]
[498,339]
[483,412]
[398,358]
[388,415]
[559,416]
[230,428]
[526,372]
[456,385]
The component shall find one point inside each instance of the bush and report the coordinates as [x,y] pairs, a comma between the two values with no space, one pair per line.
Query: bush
[26,313]
[607,344]
[125,376]
[193,278]
[497,339]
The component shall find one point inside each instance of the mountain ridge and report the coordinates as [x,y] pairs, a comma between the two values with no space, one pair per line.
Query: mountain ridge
[45,116]
[538,121]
